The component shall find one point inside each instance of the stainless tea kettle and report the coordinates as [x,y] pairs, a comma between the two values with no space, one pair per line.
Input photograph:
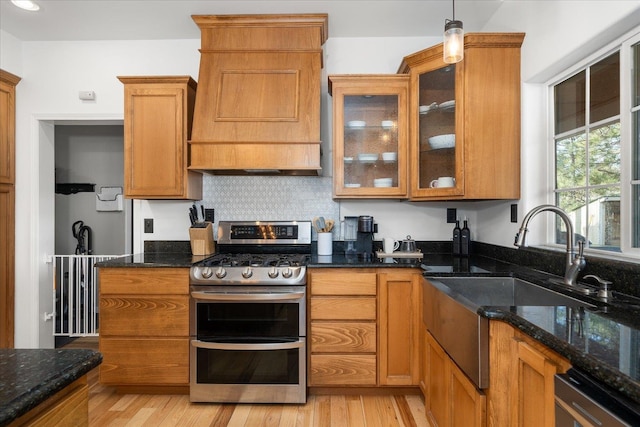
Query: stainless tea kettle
[408,245]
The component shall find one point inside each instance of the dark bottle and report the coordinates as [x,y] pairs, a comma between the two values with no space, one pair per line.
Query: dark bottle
[465,240]
[456,238]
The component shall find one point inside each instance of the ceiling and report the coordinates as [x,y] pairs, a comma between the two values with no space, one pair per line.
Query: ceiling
[171,19]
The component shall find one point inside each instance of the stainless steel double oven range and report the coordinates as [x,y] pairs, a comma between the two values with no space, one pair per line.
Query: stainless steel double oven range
[248,314]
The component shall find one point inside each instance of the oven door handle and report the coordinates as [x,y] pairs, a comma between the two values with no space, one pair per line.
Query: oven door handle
[269,296]
[235,346]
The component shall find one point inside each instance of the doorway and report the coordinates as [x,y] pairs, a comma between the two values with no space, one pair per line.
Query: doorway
[92,218]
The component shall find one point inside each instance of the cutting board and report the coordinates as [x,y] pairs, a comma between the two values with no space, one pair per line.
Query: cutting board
[381,254]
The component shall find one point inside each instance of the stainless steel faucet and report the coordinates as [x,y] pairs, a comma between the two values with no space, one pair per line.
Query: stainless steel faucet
[575,262]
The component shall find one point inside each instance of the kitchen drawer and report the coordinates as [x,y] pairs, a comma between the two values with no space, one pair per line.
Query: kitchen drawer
[342,369]
[153,361]
[343,308]
[143,281]
[343,282]
[343,337]
[153,315]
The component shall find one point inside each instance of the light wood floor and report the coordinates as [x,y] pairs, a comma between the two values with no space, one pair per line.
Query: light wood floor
[107,408]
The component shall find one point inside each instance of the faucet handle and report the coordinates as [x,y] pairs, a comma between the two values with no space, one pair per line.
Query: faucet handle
[604,292]
[601,281]
[580,248]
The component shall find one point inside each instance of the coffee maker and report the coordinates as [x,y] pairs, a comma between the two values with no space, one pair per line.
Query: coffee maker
[364,241]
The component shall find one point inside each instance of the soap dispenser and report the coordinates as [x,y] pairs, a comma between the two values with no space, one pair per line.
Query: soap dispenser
[465,240]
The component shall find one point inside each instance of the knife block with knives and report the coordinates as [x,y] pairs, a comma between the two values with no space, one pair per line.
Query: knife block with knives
[201,236]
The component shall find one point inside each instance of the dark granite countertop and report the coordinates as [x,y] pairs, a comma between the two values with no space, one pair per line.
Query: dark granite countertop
[29,376]
[601,339]
[606,344]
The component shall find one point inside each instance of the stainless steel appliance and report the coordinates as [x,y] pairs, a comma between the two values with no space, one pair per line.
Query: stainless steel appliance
[583,402]
[248,315]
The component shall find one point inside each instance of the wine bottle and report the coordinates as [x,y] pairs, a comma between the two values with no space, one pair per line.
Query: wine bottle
[456,238]
[465,240]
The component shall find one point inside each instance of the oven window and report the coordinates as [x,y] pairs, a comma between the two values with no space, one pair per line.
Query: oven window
[248,366]
[248,322]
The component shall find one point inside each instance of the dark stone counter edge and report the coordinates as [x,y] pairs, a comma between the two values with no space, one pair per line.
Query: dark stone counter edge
[609,376]
[9,411]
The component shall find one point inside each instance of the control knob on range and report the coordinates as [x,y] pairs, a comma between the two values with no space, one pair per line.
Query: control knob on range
[273,273]
[221,272]
[247,273]
[207,272]
[287,273]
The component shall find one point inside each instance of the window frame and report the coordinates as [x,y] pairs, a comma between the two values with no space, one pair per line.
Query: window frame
[623,45]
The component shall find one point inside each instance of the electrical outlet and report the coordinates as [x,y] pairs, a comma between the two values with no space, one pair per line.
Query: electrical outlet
[452,215]
[209,215]
[514,213]
[148,225]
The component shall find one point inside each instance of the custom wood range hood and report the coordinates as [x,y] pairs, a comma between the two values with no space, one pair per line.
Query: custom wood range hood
[257,107]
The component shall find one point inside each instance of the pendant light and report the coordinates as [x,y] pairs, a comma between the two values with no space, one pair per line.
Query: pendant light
[453,48]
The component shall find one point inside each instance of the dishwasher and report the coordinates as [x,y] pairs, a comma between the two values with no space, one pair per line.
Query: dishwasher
[583,402]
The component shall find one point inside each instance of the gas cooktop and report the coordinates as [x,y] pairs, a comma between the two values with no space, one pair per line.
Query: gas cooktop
[255,260]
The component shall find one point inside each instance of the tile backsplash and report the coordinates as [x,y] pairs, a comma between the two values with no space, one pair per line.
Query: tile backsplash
[240,198]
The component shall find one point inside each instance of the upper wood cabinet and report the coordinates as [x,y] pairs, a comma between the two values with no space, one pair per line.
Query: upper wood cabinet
[8,84]
[370,134]
[258,103]
[158,112]
[464,120]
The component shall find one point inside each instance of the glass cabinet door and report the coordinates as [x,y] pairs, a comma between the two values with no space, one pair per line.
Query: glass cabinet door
[438,160]
[370,137]
[371,141]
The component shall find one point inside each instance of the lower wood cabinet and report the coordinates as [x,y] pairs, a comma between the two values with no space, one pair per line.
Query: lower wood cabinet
[399,315]
[144,327]
[363,327]
[451,399]
[68,407]
[342,327]
[521,379]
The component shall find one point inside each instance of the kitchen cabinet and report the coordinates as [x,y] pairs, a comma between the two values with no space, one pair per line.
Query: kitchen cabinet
[158,113]
[464,120]
[342,327]
[451,399]
[364,326]
[8,83]
[370,135]
[68,407]
[258,104]
[399,314]
[144,328]
[521,381]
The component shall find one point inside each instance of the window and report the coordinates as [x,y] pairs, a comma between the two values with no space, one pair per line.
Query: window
[596,135]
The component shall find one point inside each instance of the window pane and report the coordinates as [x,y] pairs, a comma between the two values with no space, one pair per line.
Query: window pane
[570,161]
[574,204]
[635,202]
[570,103]
[636,80]
[604,218]
[604,85]
[604,155]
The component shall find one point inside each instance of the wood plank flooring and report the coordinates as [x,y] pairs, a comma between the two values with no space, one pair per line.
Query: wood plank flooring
[107,408]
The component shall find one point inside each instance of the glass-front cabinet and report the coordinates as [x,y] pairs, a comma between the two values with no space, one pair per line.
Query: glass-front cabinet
[370,134]
[464,120]
[439,158]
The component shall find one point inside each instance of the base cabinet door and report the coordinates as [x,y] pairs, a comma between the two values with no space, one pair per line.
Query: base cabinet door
[521,379]
[399,325]
[451,399]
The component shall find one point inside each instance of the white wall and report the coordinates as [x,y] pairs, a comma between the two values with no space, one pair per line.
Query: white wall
[54,72]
